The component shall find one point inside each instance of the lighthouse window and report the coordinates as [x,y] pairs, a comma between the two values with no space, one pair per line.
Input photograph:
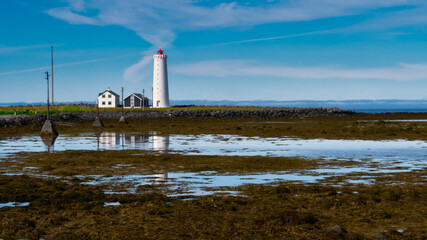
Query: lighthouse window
[103,103]
[103,96]
[109,103]
[109,95]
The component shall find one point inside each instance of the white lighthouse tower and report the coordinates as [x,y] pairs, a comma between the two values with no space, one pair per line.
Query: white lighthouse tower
[160,81]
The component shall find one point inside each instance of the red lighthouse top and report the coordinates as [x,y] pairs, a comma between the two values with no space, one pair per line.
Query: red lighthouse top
[160,52]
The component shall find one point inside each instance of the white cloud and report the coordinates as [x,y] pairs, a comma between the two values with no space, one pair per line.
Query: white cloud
[139,70]
[388,20]
[63,65]
[71,17]
[157,21]
[272,38]
[230,68]
[78,5]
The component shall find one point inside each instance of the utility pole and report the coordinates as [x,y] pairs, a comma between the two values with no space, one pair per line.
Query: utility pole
[122,118]
[51,55]
[97,122]
[123,105]
[47,80]
[48,127]
[143,99]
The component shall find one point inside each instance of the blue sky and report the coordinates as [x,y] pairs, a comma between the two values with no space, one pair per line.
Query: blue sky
[234,50]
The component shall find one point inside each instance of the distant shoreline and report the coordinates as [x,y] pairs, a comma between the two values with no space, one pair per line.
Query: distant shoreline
[360,106]
[408,110]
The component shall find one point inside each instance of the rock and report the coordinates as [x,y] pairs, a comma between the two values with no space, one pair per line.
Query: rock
[380,235]
[337,229]
[21,120]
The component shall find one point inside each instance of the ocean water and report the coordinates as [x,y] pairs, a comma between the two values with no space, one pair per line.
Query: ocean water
[385,110]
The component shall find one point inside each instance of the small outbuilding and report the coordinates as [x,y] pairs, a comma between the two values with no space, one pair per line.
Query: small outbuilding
[136,100]
[108,99]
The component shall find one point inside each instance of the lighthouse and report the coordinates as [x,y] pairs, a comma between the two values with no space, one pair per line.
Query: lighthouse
[160,81]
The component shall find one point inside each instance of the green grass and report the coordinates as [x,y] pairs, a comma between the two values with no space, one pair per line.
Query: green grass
[10,110]
[73,109]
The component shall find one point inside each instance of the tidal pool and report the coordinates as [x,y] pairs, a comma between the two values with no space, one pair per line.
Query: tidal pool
[229,145]
[372,157]
[201,183]
[14,204]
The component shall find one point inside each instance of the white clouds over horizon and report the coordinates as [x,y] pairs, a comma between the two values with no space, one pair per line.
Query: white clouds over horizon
[244,68]
[158,22]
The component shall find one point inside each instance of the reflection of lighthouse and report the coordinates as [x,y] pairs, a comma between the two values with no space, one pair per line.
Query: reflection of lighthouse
[160,143]
[161,178]
[160,81]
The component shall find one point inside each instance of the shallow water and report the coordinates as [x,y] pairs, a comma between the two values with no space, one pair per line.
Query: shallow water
[201,183]
[14,204]
[229,145]
[407,120]
[372,157]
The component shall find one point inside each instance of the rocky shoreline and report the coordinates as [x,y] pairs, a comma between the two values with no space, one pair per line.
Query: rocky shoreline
[22,120]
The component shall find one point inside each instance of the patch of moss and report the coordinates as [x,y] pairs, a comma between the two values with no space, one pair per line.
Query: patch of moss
[360,126]
[61,210]
[70,163]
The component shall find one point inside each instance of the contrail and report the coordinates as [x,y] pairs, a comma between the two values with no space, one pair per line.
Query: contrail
[272,38]
[4,50]
[25,70]
[65,64]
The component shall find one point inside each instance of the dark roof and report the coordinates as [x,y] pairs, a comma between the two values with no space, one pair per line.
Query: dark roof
[108,90]
[139,95]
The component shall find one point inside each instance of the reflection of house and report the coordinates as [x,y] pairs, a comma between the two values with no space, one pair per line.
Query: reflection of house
[108,99]
[112,139]
[109,139]
[136,100]
[134,141]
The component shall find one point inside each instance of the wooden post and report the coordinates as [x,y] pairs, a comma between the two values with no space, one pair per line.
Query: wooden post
[143,99]
[48,127]
[97,122]
[47,80]
[51,54]
[122,118]
[123,102]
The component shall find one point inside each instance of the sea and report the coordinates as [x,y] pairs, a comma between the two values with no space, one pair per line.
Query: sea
[403,110]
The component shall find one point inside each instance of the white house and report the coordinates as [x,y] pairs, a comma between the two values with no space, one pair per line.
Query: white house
[108,99]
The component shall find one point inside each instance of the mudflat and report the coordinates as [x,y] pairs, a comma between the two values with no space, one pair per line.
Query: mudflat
[81,193]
